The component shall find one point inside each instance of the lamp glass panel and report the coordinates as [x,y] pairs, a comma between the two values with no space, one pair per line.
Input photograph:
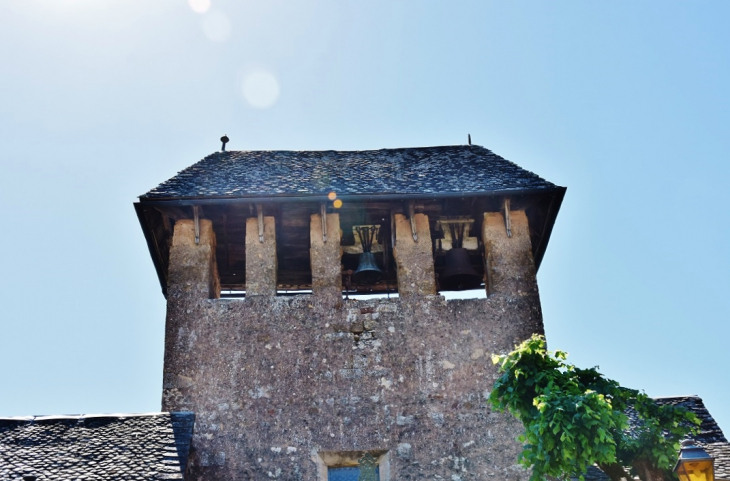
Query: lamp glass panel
[696,471]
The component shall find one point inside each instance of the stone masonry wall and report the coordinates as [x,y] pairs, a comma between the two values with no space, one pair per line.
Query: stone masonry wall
[274,381]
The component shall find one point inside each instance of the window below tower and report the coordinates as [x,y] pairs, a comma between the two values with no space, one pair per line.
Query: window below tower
[350,473]
[353,466]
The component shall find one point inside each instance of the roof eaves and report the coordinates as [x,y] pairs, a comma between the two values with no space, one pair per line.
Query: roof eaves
[193,200]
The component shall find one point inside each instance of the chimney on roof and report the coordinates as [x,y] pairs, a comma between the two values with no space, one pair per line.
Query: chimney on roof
[468,135]
[225,140]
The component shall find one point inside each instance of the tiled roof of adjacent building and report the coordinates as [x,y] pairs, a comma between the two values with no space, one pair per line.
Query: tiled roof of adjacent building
[98,447]
[709,432]
[466,169]
[710,437]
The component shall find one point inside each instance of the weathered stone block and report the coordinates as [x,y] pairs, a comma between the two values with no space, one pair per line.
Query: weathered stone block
[261,263]
[193,272]
[325,258]
[511,263]
[414,259]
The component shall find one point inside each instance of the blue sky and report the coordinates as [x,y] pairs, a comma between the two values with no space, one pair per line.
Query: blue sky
[625,103]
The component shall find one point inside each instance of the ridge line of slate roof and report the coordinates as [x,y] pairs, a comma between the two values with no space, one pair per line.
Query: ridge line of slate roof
[457,169]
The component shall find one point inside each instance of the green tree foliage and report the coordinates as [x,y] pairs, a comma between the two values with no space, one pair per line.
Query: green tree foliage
[575,418]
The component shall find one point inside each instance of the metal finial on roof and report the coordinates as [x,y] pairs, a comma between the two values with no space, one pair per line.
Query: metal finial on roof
[225,140]
[469,136]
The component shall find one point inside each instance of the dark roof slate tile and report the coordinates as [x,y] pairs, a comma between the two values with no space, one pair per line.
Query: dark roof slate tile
[421,170]
[99,447]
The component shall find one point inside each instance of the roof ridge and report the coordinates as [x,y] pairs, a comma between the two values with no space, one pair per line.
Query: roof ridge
[677,397]
[353,150]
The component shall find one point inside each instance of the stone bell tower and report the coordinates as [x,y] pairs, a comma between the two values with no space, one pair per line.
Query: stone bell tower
[306,326]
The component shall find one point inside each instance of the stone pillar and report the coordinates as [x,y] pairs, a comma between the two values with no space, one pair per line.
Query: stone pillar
[192,279]
[512,267]
[260,258]
[414,259]
[325,257]
[193,272]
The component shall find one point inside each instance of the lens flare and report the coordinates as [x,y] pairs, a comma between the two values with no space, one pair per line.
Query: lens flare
[217,26]
[337,204]
[199,6]
[332,195]
[260,88]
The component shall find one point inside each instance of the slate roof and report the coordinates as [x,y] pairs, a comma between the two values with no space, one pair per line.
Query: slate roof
[96,447]
[710,437]
[454,169]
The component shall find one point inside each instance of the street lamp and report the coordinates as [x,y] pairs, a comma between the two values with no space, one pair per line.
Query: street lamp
[694,464]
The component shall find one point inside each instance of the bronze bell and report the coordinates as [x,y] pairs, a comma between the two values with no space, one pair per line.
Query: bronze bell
[367,271]
[459,274]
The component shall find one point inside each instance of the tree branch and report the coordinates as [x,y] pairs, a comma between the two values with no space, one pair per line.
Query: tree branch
[648,471]
[615,471]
